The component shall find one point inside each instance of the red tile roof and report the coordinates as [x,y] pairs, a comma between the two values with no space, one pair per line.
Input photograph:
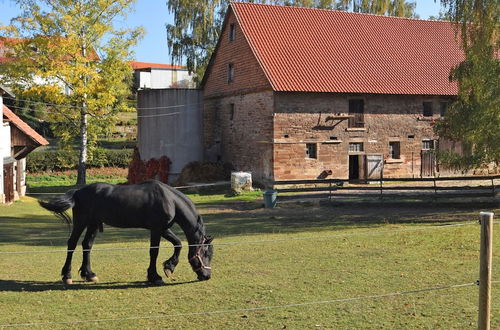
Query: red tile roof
[314,50]
[14,119]
[146,65]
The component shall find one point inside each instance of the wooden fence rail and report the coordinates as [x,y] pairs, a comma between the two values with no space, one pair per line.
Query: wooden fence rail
[447,187]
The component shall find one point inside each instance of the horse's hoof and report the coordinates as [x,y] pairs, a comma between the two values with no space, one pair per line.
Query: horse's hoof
[92,279]
[167,272]
[157,282]
[67,281]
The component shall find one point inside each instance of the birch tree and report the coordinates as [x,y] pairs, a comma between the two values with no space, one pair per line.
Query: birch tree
[68,54]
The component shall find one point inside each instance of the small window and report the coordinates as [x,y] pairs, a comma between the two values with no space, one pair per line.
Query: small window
[427,109]
[356,113]
[231,111]
[311,150]
[232,32]
[427,144]
[442,108]
[230,73]
[394,152]
[355,147]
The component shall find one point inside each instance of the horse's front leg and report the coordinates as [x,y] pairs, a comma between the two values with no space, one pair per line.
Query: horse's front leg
[72,242]
[169,265]
[85,271]
[154,248]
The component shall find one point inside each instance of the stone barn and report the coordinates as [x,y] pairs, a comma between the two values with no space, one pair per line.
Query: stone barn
[297,93]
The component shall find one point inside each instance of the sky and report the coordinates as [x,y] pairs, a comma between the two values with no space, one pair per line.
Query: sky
[153,15]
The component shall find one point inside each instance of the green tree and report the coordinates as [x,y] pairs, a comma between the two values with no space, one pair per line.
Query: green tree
[197,23]
[474,118]
[68,54]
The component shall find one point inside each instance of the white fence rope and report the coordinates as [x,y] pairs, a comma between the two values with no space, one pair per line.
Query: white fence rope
[240,310]
[288,239]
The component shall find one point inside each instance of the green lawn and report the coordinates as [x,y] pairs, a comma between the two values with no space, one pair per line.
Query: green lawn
[295,267]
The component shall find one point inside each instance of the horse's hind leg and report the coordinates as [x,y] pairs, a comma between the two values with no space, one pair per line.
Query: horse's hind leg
[85,271]
[169,265]
[153,276]
[72,242]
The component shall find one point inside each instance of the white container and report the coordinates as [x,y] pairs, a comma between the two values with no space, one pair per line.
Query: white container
[241,181]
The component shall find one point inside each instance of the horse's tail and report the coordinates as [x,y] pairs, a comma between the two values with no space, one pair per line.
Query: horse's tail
[59,205]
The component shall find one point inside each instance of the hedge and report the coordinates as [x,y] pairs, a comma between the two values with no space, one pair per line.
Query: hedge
[60,160]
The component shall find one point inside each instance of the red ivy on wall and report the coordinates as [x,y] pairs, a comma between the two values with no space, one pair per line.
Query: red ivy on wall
[154,168]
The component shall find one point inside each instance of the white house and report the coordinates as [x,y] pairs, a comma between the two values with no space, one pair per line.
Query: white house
[17,140]
[158,76]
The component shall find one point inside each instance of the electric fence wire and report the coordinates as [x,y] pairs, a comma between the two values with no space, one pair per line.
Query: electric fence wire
[244,310]
[288,239]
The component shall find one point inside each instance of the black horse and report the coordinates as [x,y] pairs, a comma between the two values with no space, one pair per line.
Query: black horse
[151,205]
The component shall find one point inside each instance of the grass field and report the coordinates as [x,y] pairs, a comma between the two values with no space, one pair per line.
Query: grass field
[296,267]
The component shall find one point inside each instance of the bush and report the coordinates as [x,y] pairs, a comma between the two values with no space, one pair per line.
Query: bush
[60,160]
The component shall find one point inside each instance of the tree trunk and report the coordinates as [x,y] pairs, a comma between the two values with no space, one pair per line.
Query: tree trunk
[82,159]
[81,177]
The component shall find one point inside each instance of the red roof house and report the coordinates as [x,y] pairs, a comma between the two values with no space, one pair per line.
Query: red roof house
[294,93]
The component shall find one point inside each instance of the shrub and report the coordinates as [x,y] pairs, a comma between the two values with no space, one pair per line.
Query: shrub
[60,160]
[140,170]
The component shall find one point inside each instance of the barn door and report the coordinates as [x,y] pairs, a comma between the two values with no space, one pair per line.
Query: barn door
[428,163]
[374,166]
[8,182]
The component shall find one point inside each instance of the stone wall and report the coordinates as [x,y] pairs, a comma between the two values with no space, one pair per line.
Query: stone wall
[238,129]
[320,118]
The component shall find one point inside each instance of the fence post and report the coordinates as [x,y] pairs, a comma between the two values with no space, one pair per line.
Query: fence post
[485,262]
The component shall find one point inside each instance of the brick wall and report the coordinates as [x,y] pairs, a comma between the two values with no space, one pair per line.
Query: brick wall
[238,129]
[248,74]
[316,118]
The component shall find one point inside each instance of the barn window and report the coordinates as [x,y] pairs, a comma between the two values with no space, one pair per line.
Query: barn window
[442,108]
[427,144]
[356,110]
[230,73]
[311,150]
[232,32]
[231,111]
[394,148]
[356,147]
[427,109]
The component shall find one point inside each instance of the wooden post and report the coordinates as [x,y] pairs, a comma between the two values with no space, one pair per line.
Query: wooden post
[485,266]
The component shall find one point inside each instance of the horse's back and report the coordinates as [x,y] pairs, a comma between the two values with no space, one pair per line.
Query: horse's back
[145,205]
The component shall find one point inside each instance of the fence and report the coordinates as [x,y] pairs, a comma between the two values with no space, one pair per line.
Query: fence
[436,187]
[485,282]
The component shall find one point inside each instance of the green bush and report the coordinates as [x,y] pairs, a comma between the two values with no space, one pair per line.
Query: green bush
[60,160]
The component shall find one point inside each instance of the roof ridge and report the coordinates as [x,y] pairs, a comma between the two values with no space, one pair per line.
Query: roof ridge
[238,3]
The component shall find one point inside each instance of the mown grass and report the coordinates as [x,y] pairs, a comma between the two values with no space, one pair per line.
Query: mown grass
[294,254]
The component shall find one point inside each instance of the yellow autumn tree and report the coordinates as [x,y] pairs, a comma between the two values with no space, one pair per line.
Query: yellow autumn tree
[67,54]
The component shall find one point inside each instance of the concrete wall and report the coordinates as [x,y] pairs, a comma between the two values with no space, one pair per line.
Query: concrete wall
[170,124]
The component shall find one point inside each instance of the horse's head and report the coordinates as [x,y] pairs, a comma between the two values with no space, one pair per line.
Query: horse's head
[200,259]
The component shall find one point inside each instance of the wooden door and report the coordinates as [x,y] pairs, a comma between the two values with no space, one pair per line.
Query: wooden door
[8,182]
[428,163]
[374,166]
